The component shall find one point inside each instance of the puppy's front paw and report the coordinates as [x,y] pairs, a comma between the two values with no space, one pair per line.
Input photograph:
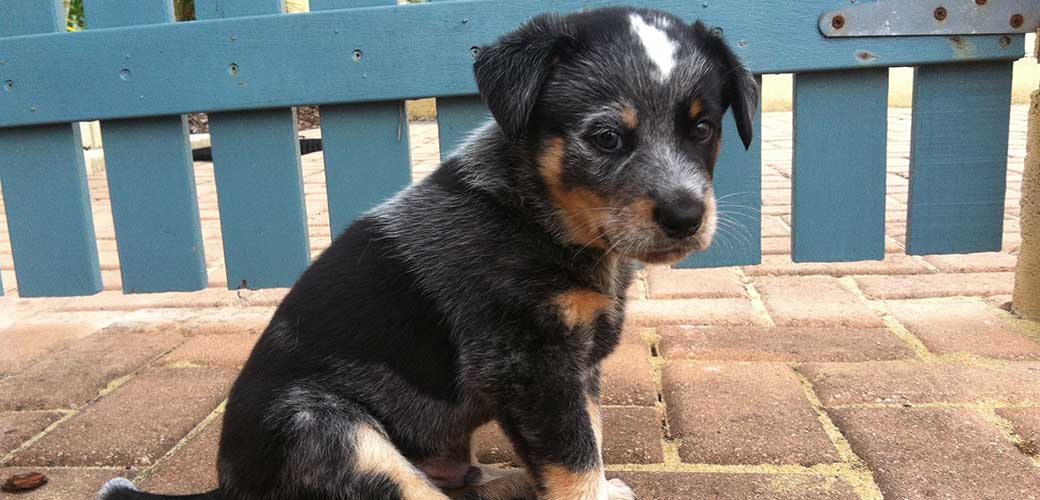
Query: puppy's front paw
[618,490]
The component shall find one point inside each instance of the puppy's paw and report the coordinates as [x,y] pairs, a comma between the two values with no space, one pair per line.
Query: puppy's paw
[618,490]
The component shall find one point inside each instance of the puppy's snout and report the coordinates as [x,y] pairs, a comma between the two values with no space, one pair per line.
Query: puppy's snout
[681,216]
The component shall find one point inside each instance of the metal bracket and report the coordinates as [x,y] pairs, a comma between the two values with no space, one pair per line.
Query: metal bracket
[932,17]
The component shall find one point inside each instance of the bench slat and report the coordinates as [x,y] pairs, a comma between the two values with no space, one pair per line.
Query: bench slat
[738,191]
[840,144]
[256,163]
[367,156]
[151,180]
[958,158]
[45,187]
[457,117]
[410,51]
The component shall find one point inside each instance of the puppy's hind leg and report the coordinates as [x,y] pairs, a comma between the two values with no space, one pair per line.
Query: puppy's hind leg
[376,456]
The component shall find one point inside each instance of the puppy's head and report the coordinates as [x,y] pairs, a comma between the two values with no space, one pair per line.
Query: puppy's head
[621,109]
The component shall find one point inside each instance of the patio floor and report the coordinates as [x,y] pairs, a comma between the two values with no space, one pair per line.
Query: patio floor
[901,379]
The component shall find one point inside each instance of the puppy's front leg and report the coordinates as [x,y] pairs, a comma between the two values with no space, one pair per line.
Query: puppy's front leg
[557,431]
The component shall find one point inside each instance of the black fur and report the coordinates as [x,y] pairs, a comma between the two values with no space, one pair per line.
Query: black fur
[493,289]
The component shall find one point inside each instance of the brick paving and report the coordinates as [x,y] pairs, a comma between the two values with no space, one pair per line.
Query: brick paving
[899,379]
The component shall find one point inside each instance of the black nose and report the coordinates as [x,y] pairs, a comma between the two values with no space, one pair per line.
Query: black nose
[681,217]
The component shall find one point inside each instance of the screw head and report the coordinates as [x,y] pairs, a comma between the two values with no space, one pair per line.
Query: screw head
[838,22]
[1017,21]
[940,14]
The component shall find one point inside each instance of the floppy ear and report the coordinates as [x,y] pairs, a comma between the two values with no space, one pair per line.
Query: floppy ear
[740,90]
[510,72]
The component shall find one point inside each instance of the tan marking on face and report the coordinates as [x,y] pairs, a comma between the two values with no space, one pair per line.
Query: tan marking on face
[708,221]
[630,118]
[644,208]
[563,484]
[581,210]
[696,108]
[376,454]
[581,306]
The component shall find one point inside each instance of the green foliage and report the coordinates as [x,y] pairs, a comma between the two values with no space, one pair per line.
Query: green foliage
[185,9]
[77,19]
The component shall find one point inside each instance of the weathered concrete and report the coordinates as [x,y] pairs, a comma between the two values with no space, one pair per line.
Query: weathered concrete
[1027,280]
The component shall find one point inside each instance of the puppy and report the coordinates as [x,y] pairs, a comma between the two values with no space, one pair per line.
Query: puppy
[493,289]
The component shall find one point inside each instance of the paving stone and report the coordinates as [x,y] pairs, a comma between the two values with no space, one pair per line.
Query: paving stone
[113,300]
[973,263]
[628,377]
[711,486]
[137,424]
[666,283]
[894,264]
[950,453]
[774,226]
[25,342]
[650,313]
[17,428]
[1026,424]
[963,326]
[914,382]
[192,469]
[73,376]
[936,285]
[65,484]
[742,413]
[781,344]
[814,301]
[227,350]
[630,436]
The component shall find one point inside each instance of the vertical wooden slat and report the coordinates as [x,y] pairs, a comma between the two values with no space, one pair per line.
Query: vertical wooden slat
[738,191]
[151,180]
[367,156]
[457,117]
[256,157]
[840,143]
[45,185]
[958,157]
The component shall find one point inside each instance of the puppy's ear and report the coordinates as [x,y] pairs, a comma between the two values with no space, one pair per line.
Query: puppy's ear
[510,72]
[740,89]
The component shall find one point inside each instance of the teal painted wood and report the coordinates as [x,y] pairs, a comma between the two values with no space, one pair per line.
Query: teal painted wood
[457,117]
[151,179]
[45,187]
[840,144]
[256,157]
[738,194]
[426,53]
[367,156]
[958,158]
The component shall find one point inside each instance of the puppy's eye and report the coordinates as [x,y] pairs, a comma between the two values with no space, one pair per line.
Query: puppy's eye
[703,132]
[608,141]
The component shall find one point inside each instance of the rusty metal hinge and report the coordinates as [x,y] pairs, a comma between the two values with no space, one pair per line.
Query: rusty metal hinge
[932,17]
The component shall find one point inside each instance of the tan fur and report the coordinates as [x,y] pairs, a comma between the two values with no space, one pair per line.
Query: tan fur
[563,484]
[696,108]
[580,208]
[707,231]
[581,306]
[376,454]
[630,118]
[596,417]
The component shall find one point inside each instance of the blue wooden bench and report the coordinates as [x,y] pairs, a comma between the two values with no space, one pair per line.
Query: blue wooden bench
[247,64]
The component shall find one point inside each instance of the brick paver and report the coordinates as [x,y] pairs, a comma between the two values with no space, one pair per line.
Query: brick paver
[137,424]
[665,486]
[911,382]
[134,374]
[742,413]
[925,453]
[950,327]
[781,344]
[66,484]
[814,301]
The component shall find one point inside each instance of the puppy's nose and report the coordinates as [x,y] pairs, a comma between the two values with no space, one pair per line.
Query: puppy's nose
[680,217]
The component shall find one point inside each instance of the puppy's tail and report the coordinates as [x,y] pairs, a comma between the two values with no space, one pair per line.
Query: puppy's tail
[122,489]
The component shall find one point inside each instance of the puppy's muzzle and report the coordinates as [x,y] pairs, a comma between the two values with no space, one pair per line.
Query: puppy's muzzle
[680,215]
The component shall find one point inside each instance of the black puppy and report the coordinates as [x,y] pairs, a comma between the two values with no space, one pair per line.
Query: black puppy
[493,289]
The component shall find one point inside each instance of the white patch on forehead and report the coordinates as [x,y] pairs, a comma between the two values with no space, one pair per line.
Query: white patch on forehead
[659,48]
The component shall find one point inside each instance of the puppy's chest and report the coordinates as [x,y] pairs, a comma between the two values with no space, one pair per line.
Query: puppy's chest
[594,310]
